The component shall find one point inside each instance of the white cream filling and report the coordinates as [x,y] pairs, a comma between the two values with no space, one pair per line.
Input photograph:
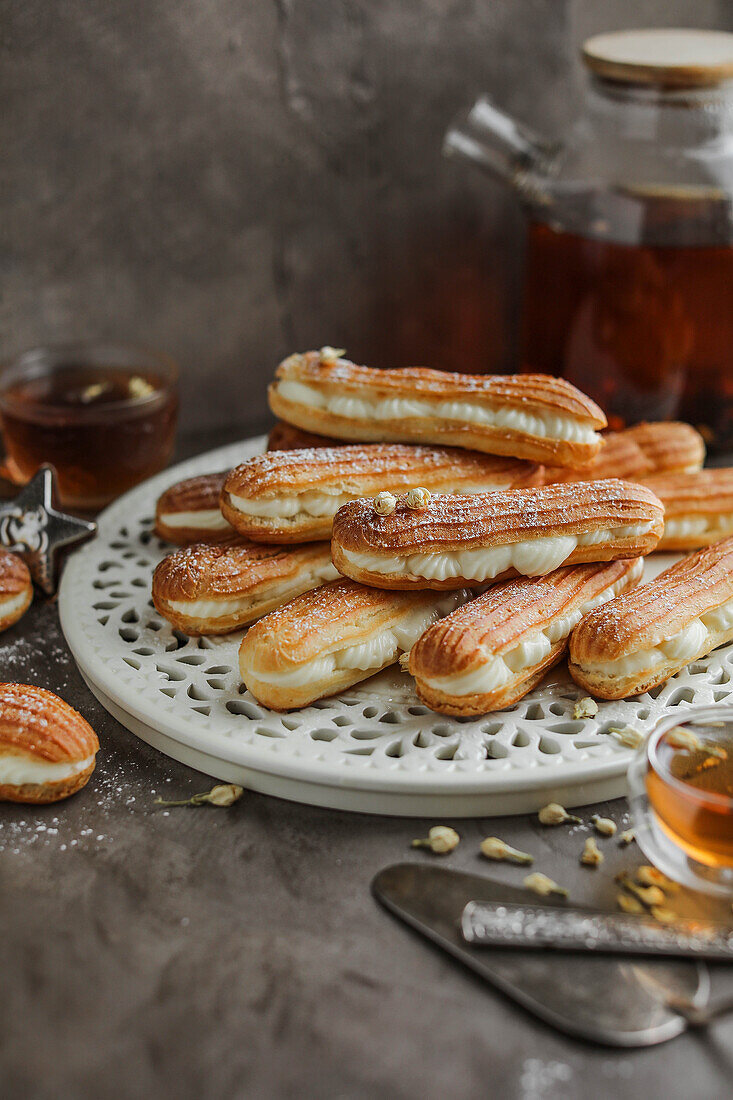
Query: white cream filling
[219,609]
[684,646]
[544,425]
[310,503]
[208,519]
[531,558]
[682,527]
[16,769]
[12,604]
[498,670]
[381,649]
[319,504]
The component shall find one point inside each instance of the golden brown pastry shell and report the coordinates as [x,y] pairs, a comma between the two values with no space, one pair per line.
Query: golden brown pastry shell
[15,579]
[358,471]
[194,494]
[532,392]
[658,610]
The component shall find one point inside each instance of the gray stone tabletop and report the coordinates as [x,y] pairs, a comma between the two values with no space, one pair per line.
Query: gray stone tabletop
[238,953]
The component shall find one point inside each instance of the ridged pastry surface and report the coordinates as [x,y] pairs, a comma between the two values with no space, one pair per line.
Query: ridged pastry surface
[194,494]
[638,620]
[490,519]
[537,391]
[286,437]
[619,456]
[39,724]
[497,621]
[325,619]
[231,567]
[14,575]
[639,452]
[371,467]
[697,492]
[669,444]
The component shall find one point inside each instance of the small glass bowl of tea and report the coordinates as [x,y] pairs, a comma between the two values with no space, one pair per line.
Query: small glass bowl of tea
[681,796]
[103,414]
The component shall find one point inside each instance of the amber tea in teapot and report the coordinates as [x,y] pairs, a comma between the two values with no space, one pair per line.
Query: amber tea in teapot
[629,274]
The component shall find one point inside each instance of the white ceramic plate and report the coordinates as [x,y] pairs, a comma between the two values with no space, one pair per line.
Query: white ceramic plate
[374,749]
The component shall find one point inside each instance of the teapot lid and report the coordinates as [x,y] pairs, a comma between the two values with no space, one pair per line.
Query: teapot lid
[671,56]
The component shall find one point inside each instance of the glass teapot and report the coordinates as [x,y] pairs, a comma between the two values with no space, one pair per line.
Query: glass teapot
[629,280]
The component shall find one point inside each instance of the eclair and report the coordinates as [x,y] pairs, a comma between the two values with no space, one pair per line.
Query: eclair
[698,507]
[639,451]
[189,511]
[292,496]
[47,750]
[490,652]
[529,416]
[216,588]
[16,588]
[640,639]
[336,636]
[456,541]
[286,437]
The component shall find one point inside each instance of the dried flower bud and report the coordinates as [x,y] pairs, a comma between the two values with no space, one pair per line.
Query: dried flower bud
[650,876]
[663,915]
[647,895]
[139,387]
[628,836]
[441,839]
[555,814]
[385,504]
[627,736]
[585,708]
[680,737]
[493,848]
[591,855]
[224,794]
[629,904]
[543,885]
[417,499]
[604,825]
[329,355]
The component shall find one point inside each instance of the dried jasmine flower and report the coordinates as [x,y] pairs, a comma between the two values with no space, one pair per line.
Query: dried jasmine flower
[330,355]
[441,839]
[543,885]
[604,825]
[139,387]
[585,708]
[627,736]
[493,848]
[385,504]
[650,876]
[680,737]
[591,855]
[92,392]
[555,814]
[629,904]
[647,895]
[664,916]
[224,794]
[628,836]
[418,499]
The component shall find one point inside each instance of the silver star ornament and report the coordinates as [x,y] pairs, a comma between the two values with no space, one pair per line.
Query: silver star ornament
[32,526]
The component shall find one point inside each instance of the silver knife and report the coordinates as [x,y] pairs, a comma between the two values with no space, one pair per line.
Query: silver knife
[605,998]
[500,924]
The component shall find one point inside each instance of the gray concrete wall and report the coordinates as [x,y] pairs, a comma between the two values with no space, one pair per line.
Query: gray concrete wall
[233,179]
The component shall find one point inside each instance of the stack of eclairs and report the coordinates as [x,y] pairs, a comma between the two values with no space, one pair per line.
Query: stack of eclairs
[475,529]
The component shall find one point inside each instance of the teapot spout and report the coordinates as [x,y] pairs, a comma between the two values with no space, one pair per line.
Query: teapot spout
[490,139]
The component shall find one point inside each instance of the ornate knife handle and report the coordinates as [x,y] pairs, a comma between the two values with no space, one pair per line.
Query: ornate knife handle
[542,927]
